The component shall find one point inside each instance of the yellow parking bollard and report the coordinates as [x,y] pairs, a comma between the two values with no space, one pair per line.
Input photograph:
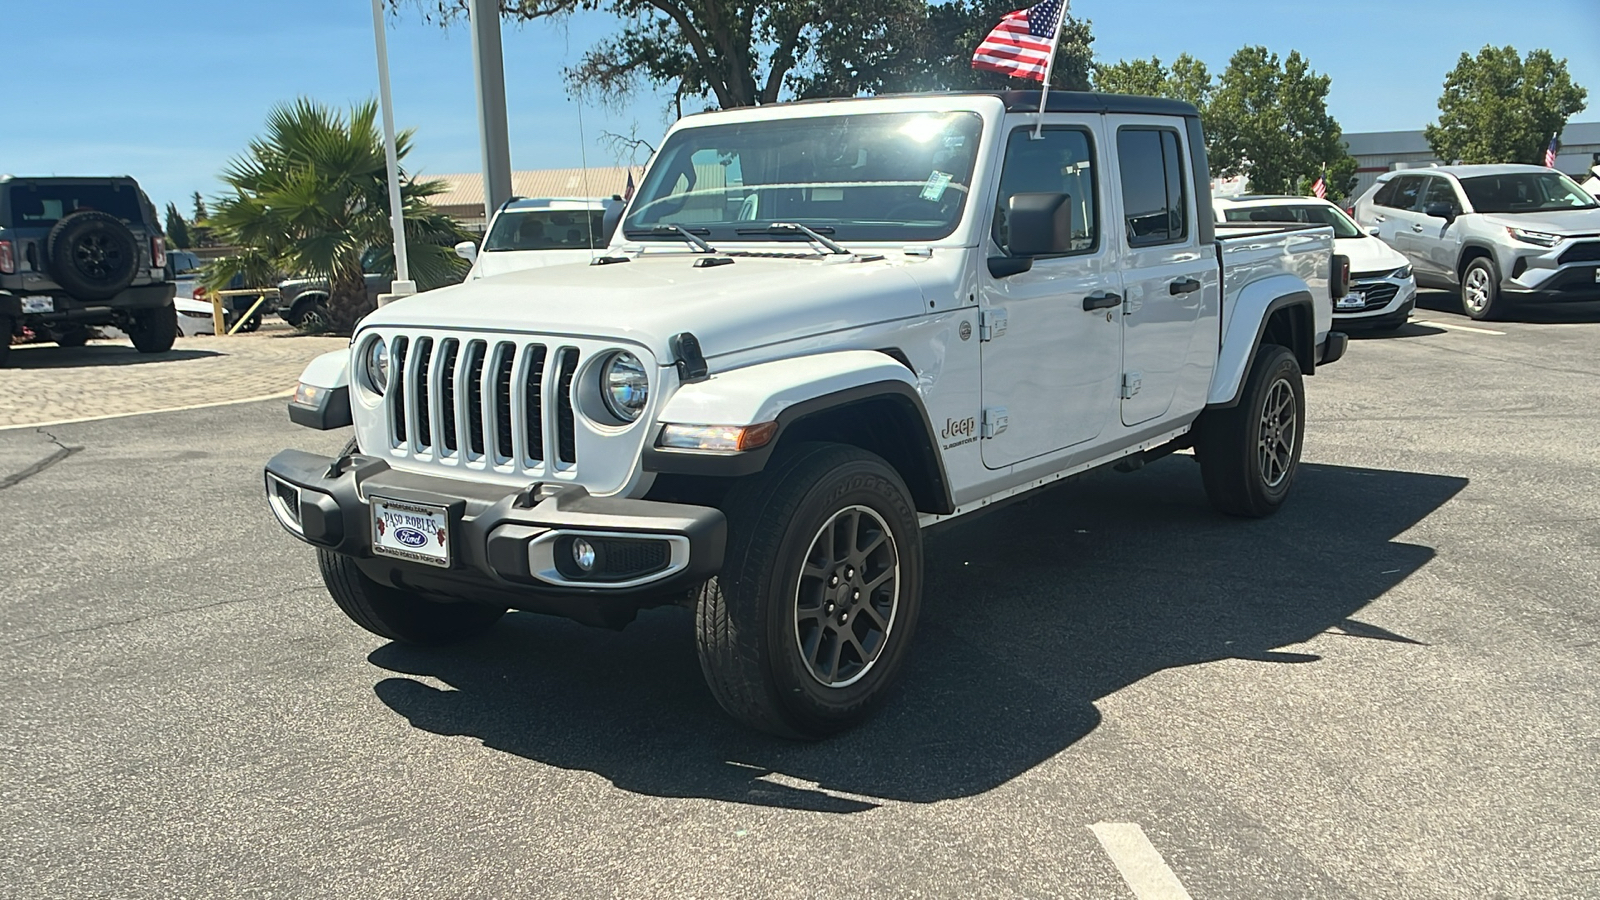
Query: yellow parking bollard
[219,320]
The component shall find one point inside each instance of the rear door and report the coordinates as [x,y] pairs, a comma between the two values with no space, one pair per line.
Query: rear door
[1050,366]
[1164,271]
[1439,241]
[1401,219]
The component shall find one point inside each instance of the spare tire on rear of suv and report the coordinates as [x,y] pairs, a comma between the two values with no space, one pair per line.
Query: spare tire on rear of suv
[92,255]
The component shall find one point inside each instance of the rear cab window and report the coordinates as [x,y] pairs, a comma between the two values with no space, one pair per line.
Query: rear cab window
[547,229]
[1155,198]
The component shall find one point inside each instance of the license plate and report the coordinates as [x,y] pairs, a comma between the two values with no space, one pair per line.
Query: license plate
[48,304]
[411,531]
[1351,301]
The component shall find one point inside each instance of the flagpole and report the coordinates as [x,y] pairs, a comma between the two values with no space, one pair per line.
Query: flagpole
[1049,67]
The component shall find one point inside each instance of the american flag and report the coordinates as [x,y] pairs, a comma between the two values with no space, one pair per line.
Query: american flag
[628,194]
[1320,188]
[1023,43]
[1550,154]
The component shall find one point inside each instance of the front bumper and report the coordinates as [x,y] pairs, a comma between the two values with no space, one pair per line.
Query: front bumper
[1384,298]
[502,543]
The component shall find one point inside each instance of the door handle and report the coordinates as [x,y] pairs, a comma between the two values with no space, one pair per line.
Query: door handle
[1183,286]
[1417,228]
[1102,300]
[1380,218]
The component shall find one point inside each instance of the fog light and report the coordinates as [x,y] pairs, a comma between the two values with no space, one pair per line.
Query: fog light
[583,554]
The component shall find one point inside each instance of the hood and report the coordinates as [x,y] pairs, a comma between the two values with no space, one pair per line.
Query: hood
[1558,221]
[499,262]
[732,307]
[1368,254]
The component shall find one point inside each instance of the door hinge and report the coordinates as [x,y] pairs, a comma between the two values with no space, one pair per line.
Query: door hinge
[991,324]
[995,421]
[1131,382]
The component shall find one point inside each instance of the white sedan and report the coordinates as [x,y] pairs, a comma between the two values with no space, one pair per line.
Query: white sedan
[1382,289]
[533,233]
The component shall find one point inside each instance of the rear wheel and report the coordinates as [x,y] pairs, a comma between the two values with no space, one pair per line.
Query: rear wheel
[805,630]
[154,330]
[1249,453]
[7,327]
[1480,290]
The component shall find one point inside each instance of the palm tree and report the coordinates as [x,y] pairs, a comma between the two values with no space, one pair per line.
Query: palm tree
[311,196]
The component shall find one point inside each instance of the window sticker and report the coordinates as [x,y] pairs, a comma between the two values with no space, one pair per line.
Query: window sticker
[937,182]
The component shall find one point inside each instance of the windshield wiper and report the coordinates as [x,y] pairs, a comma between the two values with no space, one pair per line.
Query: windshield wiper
[690,237]
[815,235]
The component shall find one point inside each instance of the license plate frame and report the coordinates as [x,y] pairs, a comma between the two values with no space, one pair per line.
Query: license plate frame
[1352,300]
[38,304]
[415,532]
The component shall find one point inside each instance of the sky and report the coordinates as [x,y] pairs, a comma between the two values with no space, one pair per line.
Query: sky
[169,90]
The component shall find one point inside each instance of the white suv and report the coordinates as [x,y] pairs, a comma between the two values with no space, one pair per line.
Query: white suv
[533,233]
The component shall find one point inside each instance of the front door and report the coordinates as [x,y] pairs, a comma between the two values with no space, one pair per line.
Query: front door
[1166,277]
[1051,347]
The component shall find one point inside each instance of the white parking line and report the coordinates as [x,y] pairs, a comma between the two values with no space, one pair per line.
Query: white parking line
[1137,859]
[149,412]
[1453,326]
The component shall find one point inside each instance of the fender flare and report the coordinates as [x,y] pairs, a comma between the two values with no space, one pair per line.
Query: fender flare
[791,392]
[1246,327]
[1469,247]
[329,408]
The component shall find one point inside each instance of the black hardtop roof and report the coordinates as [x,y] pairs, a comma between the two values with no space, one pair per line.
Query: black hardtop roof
[65,179]
[1060,101]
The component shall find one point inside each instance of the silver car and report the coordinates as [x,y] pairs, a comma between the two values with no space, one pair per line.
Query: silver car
[1497,234]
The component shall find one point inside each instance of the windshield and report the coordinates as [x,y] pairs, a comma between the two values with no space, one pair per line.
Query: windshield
[1525,192]
[547,229]
[1310,213]
[864,177]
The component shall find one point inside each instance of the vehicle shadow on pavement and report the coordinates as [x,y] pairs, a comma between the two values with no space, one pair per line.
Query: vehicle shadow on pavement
[1560,312]
[1408,330]
[49,356]
[1033,613]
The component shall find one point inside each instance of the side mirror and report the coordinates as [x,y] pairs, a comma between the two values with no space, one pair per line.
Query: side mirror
[468,251]
[1440,210]
[1374,230]
[1039,224]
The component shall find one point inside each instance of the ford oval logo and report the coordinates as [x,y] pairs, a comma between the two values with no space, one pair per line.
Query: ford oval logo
[410,537]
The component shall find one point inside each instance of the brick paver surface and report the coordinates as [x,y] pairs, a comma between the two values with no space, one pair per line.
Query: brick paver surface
[46,383]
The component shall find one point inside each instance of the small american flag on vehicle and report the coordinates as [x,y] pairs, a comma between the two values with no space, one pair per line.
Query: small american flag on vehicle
[1550,154]
[1320,188]
[1023,43]
[628,193]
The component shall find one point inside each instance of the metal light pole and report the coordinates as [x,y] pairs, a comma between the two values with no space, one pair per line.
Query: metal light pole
[489,67]
[402,285]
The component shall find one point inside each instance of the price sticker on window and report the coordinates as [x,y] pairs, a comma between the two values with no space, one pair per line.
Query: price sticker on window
[937,182]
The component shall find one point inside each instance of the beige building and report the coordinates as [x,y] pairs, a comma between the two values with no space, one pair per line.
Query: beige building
[463,200]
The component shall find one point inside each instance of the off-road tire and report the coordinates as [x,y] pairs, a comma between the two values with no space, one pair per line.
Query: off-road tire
[398,615]
[92,255]
[746,625]
[73,337]
[1481,299]
[7,327]
[1229,440]
[154,330]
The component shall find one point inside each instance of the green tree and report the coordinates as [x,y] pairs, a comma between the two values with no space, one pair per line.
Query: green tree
[734,53]
[1268,118]
[177,228]
[311,196]
[200,214]
[1499,107]
[1145,77]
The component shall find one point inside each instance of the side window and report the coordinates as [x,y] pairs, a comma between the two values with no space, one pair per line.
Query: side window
[1440,190]
[1407,188]
[1385,194]
[1061,162]
[1154,190]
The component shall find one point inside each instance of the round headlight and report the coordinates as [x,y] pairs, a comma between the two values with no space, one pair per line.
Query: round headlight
[625,386]
[376,364]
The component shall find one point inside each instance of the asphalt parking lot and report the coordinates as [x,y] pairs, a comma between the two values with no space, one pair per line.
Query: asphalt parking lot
[1387,691]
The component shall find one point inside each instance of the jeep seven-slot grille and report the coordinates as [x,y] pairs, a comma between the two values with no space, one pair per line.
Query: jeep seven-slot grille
[468,394]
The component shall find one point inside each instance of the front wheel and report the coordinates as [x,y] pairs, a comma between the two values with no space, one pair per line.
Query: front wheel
[398,615]
[1480,290]
[1249,453]
[806,628]
[154,330]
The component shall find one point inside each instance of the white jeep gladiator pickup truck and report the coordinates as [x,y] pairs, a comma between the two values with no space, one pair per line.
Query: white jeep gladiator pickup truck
[820,328]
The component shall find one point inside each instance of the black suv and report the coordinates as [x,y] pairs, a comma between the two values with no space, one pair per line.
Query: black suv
[80,252]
